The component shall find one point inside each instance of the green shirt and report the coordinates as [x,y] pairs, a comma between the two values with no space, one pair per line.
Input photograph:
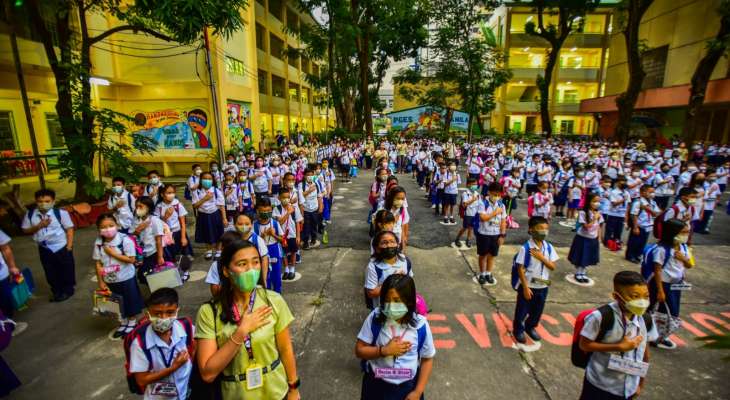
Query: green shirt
[263,342]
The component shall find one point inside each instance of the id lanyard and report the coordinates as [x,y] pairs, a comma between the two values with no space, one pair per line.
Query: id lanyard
[167,361]
[624,323]
[237,317]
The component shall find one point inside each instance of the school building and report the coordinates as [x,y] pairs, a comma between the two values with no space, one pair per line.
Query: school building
[676,34]
[165,88]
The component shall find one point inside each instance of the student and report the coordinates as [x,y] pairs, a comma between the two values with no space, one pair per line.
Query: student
[173,213]
[664,184]
[712,193]
[152,189]
[149,229]
[437,190]
[470,200]
[512,186]
[396,345]
[329,178]
[386,260]
[261,177]
[273,235]
[684,208]
[491,232]
[243,231]
[164,364]
[245,331]
[53,231]
[395,203]
[232,196]
[121,202]
[276,173]
[667,283]
[245,193]
[641,222]
[563,182]
[114,253]
[8,270]
[626,338]
[288,217]
[311,204]
[534,280]
[722,174]
[384,221]
[451,182]
[576,193]
[542,200]
[216,173]
[584,251]
[212,219]
[619,199]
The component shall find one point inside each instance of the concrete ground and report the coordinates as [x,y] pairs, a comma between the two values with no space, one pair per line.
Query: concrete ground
[66,352]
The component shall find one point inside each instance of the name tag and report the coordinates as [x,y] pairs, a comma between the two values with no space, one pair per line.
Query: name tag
[680,286]
[112,269]
[545,282]
[166,389]
[628,366]
[393,373]
[254,378]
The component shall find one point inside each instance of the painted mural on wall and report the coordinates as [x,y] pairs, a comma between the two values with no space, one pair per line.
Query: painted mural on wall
[424,118]
[174,128]
[239,124]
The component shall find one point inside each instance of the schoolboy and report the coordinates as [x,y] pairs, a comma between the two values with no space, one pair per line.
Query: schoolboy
[491,232]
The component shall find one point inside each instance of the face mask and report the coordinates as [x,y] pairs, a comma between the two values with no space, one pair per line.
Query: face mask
[259,164]
[141,212]
[595,205]
[231,161]
[117,189]
[651,196]
[389,252]
[290,185]
[636,307]
[473,188]
[382,178]
[452,168]
[540,235]
[635,174]
[162,325]
[198,172]
[264,215]
[681,239]
[244,228]
[170,196]
[494,199]
[108,232]
[310,178]
[397,203]
[242,178]
[325,166]
[691,202]
[45,206]
[206,183]
[154,181]
[395,311]
[214,168]
[246,281]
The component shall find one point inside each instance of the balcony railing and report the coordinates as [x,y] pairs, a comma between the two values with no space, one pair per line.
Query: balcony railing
[20,164]
[580,40]
[579,74]
[521,106]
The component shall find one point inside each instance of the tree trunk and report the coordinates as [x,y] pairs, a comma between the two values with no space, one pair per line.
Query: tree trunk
[701,78]
[481,126]
[627,100]
[447,120]
[468,127]
[543,84]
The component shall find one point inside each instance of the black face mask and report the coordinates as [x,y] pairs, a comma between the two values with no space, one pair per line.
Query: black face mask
[389,252]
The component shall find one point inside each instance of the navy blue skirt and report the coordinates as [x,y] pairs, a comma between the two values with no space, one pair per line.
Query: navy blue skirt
[378,389]
[584,252]
[208,227]
[132,301]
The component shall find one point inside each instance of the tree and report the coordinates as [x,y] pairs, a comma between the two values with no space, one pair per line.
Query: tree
[571,15]
[71,65]
[467,62]
[716,48]
[630,13]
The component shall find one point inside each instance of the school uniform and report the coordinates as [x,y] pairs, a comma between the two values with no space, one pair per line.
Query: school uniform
[173,223]
[261,178]
[563,182]
[616,214]
[147,239]
[273,278]
[377,272]
[58,262]
[531,177]
[232,201]
[601,382]
[511,190]
[6,299]
[153,191]
[402,218]
[663,184]
[245,193]
[437,190]
[124,214]
[543,204]
[290,227]
[673,272]
[471,210]
[489,232]
[528,312]
[712,192]
[584,251]
[645,222]
[451,190]
[722,174]
[213,275]
[327,177]
[276,174]
[161,356]
[310,207]
[120,276]
[681,212]
[209,223]
[575,193]
[394,387]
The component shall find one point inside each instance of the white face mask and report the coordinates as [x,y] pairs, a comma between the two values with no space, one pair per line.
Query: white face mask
[681,239]
[170,196]
[397,203]
[162,325]
[141,212]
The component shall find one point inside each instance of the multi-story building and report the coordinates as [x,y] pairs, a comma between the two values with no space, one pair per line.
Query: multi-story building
[577,76]
[676,34]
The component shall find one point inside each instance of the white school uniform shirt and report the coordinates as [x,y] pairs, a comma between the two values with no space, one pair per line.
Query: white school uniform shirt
[115,270]
[4,270]
[269,240]
[616,195]
[643,218]
[230,168]
[576,191]
[231,199]
[674,166]
[193,180]
[593,179]
[597,372]
[537,269]
[402,217]
[174,221]
[664,184]
[548,173]
[211,205]
[493,226]
[149,188]
[148,235]
[542,202]
[531,172]
[712,192]
[439,178]
[310,201]
[592,232]
[218,178]
[633,186]
[473,208]
[125,214]
[276,174]
[674,270]
[684,180]
[453,187]
[290,227]
[260,183]
[722,175]
[475,164]
[681,212]
[408,333]
[371,276]
[213,278]
[245,189]
[52,237]
[158,349]
[511,186]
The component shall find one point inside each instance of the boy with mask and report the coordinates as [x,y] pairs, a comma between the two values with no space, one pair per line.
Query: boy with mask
[161,351]
[490,233]
[272,233]
[122,203]
[623,344]
[289,216]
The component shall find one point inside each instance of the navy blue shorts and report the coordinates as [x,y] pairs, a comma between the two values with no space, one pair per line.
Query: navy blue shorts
[448,199]
[291,246]
[468,221]
[487,245]
[573,204]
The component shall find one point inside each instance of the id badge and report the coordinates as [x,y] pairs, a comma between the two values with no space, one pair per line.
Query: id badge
[254,377]
[545,282]
[393,373]
[628,366]
[165,389]
[680,286]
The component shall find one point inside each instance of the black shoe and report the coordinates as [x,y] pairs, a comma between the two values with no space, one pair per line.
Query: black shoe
[457,243]
[292,275]
[61,298]
[583,279]
[520,338]
[490,279]
[533,335]
[120,332]
[482,279]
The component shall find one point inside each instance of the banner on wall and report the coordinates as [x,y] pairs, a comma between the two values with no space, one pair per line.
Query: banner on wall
[239,124]
[420,118]
[174,128]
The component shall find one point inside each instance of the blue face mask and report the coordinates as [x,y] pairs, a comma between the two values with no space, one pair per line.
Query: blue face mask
[206,183]
[394,311]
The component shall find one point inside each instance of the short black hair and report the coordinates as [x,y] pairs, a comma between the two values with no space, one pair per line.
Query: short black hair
[627,278]
[163,296]
[495,187]
[284,191]
[536,220]
[119,179]
[45,192]
[229,237]
[686,191]
[154,171]
[644,188]
[263,202]
[147,201]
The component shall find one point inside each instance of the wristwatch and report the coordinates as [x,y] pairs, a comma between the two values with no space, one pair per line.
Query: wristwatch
[295,385]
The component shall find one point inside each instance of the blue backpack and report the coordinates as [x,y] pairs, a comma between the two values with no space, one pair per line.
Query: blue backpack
[647,265]
[477,220]
[515,279]
[379,272]
[376,327]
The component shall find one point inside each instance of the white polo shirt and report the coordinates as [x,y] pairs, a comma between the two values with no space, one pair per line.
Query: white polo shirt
[211,205]
[615,196]
[114,270]
[643,218]
[148,235]
[453,187]
[537,269]
[178,211]
[52,237]
[493,226]
[371,275]
[542,202]
[125,213]
[592,231]
[232,198]
[290,227]
[309,201]
[473,208]
[673,271]
[261,178]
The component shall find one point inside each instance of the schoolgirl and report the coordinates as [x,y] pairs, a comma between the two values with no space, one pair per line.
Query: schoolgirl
[173,213]
[149,230]
[395,203]
[211,219]
[232,195]
[385,261]
[245,193]
[262,179]
[584,251]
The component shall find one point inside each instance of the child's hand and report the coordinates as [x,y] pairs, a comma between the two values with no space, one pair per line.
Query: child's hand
[396,347]
[527,293]
[180,359]
[627,344]
[168,213]
[109,250]
[537,254]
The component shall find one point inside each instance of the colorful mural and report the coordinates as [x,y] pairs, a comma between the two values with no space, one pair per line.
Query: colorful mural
[421,118]
[239,124]
[174,128]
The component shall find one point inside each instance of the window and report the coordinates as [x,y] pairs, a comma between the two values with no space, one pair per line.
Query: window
[277,46]
[235,66]
[570,96]
[7,131]
[293,92]
[263,80]
[293,60]
[305,96]
[292,22]
[305,65]
[260,37]
[276,9]
[654,62]
[55,134]
[315,70]
[277,86]
[262,2]
[566,126]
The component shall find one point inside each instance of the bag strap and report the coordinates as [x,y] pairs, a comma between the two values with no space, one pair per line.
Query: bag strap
[375,328]
[607,321]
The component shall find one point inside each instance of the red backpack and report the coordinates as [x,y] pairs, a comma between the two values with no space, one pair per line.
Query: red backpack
[659,220]
[530,206]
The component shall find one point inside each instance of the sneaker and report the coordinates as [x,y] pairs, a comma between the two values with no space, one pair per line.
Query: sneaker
[285,276]
[121,331]
[584,279]
[208,255]
[421,188]
[467,245]
[20,327]
[532,333]
[305,246]
[520,338]
[453,222]
[457,243]
[482,279]
[490,279]
[666,344]
[298,258]
[185,276]
[292,275]
[217,254]
[315,244]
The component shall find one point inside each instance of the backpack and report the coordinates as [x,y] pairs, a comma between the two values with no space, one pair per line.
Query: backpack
[647,265]
[379,273]
[56,212]
[580,358]
[139,335]
[515,281]
[530,205]
[138,250]
[376,327]
[659,220]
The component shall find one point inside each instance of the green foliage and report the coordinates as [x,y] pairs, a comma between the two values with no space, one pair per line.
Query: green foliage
[717,342]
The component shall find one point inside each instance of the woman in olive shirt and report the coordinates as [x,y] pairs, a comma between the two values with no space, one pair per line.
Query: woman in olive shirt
[243,336]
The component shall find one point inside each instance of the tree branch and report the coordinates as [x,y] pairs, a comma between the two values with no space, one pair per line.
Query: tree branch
[134,28]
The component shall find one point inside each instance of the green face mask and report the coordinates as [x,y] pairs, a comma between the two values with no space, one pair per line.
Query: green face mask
[395,311]
[246,281]
[265,216]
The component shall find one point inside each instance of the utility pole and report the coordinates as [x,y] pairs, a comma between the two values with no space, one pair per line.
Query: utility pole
[214,95]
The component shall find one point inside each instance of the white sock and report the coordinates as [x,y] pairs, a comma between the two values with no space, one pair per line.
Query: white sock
[123,322]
